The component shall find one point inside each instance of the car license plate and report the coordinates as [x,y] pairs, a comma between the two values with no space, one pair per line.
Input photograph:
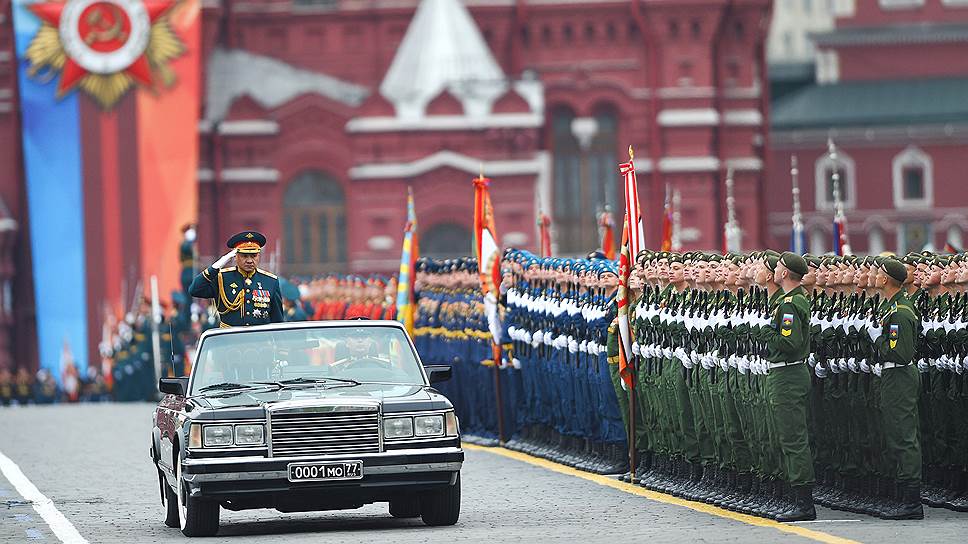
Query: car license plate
[315,472]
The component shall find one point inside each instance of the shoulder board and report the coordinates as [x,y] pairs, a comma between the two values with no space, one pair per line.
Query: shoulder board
[902,307]
[788,299]
[229,269]
[267,273]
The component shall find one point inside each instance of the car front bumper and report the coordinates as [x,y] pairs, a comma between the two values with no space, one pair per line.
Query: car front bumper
[385,475]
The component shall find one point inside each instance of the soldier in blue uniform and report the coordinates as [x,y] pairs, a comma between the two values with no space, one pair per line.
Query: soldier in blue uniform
[244,294]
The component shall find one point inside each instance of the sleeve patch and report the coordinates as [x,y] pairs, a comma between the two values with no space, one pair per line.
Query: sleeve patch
[786,325]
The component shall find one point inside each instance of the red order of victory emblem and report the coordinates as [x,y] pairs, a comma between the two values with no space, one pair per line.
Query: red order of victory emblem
[105,46]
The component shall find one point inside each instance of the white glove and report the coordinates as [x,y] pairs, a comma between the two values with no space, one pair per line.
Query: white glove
[922,366]
[516,363]
[877,369]
[820,371]
[864,367]
[572,345]
[636,349]
[223,260]
[874,332]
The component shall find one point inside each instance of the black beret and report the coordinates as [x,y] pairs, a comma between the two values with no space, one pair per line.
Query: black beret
[894,268]
[794,262]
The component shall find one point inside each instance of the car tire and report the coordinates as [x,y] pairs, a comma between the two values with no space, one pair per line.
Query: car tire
[408,507]
[441,506]
[169,502]
[196,517]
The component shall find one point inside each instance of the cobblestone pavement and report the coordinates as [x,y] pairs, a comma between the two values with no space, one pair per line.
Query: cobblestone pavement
[92,462]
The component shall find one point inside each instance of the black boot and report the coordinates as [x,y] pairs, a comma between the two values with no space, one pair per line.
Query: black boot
[909,503]
[803,509]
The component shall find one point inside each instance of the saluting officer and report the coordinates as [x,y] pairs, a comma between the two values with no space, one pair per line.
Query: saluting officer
[244,294]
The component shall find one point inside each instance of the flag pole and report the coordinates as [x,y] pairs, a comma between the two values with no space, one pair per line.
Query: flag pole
[632,399]
[676,221]
[797,244]
[843,243]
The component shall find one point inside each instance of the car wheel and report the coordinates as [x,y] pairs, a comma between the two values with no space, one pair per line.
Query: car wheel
[196,517]
[442,506]
[169,501]
[408,507]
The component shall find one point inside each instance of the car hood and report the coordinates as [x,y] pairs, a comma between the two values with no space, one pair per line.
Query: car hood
[252,404]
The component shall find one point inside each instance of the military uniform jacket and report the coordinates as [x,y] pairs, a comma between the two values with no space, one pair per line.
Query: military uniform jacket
[241,301]
[787,339]
[901,327]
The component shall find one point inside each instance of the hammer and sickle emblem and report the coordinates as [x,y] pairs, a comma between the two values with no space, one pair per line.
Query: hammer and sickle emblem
[105,27]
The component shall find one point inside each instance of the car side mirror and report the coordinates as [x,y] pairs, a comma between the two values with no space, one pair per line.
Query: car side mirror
[173,386]
[439,373]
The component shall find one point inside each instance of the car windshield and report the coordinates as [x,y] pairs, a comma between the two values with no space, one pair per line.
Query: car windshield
[337,356]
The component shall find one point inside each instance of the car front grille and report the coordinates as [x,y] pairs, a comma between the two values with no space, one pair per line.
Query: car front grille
[324,430]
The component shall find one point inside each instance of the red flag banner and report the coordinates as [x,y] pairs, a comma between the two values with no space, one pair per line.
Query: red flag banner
[544,234]
[607,226]
[624,271]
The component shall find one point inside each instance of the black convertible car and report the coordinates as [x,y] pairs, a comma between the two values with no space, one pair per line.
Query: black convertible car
[306,417]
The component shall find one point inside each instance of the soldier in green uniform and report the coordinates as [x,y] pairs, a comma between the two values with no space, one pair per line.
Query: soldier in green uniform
[244,294]
[895,345]
[787,341]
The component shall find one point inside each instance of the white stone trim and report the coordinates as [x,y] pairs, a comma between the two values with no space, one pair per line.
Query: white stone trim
[452,159]
[248,127]
[828,66]
[912,156]
[745,164]
[694,117]
[205,126]
[849,180]
[845,8]
[688,164]
[892,5]
[745,117]
[380,243]
[252,174]
[445,122]
[205,174]
[687,92]
[955,3]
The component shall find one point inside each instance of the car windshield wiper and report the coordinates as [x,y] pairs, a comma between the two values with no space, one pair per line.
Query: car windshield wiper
[231,386]
[302,380]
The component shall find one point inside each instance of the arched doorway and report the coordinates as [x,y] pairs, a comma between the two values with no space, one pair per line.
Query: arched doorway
[314,225]
[585,175]
[445,241]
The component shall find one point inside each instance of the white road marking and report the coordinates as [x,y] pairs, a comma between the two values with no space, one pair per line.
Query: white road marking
[62,528]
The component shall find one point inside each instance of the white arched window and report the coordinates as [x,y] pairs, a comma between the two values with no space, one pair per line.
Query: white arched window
[824,170]
[913,174]
[818,241]
[875,241]
[955,237]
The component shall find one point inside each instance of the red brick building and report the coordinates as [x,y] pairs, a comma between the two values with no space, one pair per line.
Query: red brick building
[892,78]
[319,113]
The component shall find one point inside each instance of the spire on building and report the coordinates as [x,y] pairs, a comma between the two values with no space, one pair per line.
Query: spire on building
[443,50]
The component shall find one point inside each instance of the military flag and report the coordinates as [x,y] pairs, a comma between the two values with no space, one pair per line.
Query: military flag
[841,243]
[667,221]
[633,240]
[607,228]
[489,268]
[408,258]
[544,234]
[732,234]
[798,241]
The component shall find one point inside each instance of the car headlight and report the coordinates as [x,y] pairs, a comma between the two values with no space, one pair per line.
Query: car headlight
[217,435]
[398,427]
[428,426]
[249,435]
[451,424]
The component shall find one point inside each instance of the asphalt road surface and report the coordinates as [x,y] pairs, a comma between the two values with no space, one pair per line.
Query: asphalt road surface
[91,462]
